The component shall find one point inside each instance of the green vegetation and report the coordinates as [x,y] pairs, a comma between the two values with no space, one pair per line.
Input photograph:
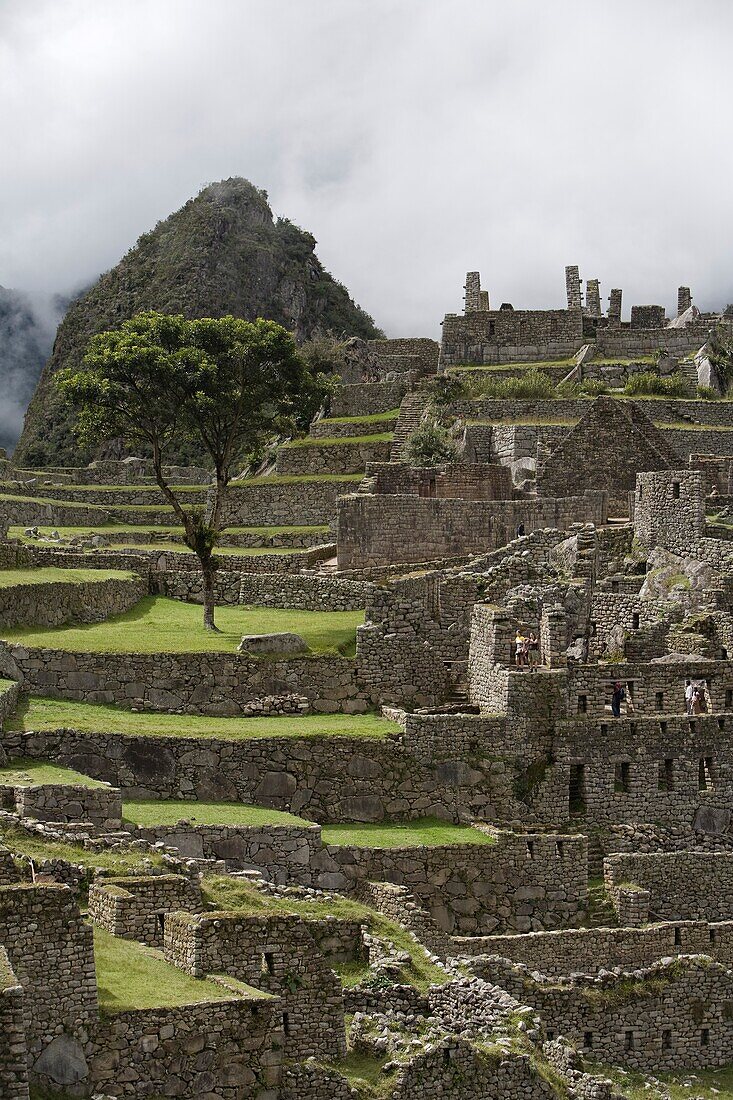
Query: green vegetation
[113,530]
[426,832]
[339,440]
[234,895]
[365,1073]
[117,861]
[166,812]
[293,479]
[647,382]
[532,384]
[30,773]
[544,364]
[132,976]
[430,445]
[40,713]
[159,625]
[372,418]
[221,551]
[54,575]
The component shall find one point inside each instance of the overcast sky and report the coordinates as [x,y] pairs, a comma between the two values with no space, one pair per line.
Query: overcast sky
[416,139]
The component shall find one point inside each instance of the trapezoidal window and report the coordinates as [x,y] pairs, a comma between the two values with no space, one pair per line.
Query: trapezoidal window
[676,490]
[576,789]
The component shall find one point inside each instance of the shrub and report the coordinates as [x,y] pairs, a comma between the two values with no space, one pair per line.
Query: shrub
[592,387]
[720,354]
[430,445]
[707,393]
[532,384]
[446,388]
[647,383]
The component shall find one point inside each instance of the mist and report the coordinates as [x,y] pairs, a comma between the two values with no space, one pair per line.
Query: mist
[415,139]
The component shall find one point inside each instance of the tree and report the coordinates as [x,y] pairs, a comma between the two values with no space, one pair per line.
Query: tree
[430,445]
[225,383]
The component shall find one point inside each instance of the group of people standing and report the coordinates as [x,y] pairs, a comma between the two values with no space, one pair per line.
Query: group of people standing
[695,698]
[526,650]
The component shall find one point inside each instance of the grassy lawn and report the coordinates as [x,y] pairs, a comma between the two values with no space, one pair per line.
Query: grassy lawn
[39,713]
[372,418]
[157,624]
[292,479]
[232,895]
[428,832]
[221,551]
[31,773]
[539,365]
[339,440]
[205,813]
[110,530]
[130,975]
[709,1084]
[52,574]
[118,861]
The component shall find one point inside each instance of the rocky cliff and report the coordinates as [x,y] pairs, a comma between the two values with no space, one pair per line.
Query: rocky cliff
[220,253]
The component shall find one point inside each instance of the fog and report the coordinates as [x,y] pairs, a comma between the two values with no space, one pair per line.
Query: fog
[416,139]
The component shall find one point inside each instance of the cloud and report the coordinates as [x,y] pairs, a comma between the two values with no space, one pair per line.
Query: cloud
[416,139]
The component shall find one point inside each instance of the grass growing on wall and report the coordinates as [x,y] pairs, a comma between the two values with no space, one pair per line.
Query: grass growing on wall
[30,773]
[426,832]
[339,441]
[370,418]
[170,812]
[118,861]
[40,713]
[706,1084]
[110,530]
[54,575]
[157,624]
[133,976]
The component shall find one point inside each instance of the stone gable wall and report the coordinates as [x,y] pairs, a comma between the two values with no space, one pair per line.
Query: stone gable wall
[135,908]
[682,885]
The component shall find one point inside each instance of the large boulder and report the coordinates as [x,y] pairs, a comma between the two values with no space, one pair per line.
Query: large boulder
[258,644]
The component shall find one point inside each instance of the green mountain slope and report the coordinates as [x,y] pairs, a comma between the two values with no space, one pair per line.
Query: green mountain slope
[220,253]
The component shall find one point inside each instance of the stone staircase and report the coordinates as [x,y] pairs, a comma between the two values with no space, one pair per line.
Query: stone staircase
[412,410]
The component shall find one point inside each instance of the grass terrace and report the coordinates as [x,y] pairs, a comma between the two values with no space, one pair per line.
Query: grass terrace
[160,625]
[691,1084]
[221,551]
[33,773]
[115,531]
[294,479]
[164,812]
[226,894]
[372,418]
[133,976]
[42,714]
[427,832]
[53,575]
[338,440]
[541,365]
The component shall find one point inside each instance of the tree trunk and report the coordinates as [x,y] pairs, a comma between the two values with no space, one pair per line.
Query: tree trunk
[209,573]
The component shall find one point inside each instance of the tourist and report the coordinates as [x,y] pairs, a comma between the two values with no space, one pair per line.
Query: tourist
[689,693]
[520,649]
[617,698]
[533,650]
[520,530]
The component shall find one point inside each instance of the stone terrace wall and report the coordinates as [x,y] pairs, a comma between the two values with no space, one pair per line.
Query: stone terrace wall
[458,1071]
[227,1048]
[9,692]
[56,602]
[671,1015]
[367,398]
[505,336]
[266,503]
[285,854]
[270,589]
[13,1055]
[135,908]
[101,806]
[216,683]
[683,885]
[345,457]
[663,411]
[474,889]
[24,512]
[587,950]
[378,530]
[626,342]
[276,954]
[50,951]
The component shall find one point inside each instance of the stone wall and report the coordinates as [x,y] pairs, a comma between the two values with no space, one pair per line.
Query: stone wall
[520,882]
[345,457]
[101,806]
[270,589]
[25,511]
[682,885]
[378,530]
[569,410]
[462,480]
[506,336]
[50,950]
[671,1015]
[135,908]
[588,950]
[109,498]
[276,954]
[367,398]
[627,342]
[13,1053]
[270,503]
[669,509]
[228,1048]
[55,603]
